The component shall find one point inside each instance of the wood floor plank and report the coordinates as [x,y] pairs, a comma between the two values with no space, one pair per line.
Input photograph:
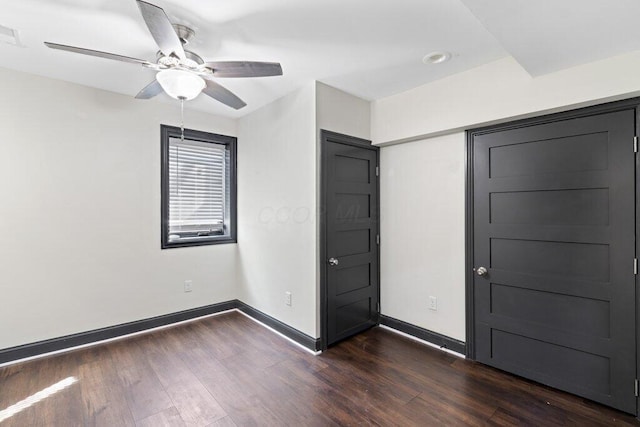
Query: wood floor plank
[222,338]
[322,405]
[361,401]
[103,396]
[273,397]
[238,400]
[38,389]
[169,417]
[228,370]
[224,422]
[426,382]
[196,405]
[192,400]
[144,392]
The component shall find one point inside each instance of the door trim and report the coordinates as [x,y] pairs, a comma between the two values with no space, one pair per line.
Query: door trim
[633,103]
[326,137]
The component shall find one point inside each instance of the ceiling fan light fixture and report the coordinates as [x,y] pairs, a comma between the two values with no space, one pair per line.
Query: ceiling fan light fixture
[180,84]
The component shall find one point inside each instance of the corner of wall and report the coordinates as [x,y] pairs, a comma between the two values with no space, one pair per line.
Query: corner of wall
[81,169]
[276,209]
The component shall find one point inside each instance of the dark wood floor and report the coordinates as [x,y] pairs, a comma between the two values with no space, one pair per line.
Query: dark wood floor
[227,370]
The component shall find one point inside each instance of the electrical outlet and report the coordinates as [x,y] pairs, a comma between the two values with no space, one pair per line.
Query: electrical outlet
[287,298]
[188,285]
[433,303]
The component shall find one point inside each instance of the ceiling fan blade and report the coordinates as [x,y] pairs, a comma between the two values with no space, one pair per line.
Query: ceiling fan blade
[244,69]
[161,29]
[150,90]
[222,94]
[98,53]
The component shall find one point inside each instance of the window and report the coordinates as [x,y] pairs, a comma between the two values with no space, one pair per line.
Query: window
[198,188]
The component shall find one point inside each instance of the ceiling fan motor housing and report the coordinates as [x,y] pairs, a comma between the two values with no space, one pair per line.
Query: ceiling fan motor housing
[193,60]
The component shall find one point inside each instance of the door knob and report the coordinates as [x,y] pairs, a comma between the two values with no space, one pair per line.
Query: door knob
[333,261]
[481,271]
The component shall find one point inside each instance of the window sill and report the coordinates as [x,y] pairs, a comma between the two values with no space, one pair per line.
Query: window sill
[185,243]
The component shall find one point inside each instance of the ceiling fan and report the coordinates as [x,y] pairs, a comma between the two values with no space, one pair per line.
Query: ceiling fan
[182,74]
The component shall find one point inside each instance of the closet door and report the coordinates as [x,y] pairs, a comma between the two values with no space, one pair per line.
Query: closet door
[553,251]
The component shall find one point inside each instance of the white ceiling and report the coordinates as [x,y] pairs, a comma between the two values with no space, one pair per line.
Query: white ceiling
[550,35]
[370,48]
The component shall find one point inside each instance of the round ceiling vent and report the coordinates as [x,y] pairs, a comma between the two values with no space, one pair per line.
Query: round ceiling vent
[436,58]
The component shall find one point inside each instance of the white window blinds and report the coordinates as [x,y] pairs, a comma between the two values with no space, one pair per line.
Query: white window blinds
[197,188]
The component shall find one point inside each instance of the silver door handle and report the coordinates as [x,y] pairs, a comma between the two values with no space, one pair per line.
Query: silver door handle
[481,271]
[333,261]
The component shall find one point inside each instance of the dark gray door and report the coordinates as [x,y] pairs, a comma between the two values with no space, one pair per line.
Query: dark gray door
[554,229]
[350,193]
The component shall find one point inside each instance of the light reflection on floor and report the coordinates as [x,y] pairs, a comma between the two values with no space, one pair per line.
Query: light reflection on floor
[37,397]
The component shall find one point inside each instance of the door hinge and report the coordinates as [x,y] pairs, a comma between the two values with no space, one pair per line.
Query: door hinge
[636,387]
[377,170]
[635,266]
[635,144]
[378,307]
[377,239]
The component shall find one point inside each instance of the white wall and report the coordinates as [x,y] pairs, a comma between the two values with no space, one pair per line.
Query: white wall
[341,112]
[422,181]
[80,213]
[422,233]
[277,209]
[498,91]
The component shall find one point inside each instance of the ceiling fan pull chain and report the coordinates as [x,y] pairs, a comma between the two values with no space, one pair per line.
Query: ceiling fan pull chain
[182,119]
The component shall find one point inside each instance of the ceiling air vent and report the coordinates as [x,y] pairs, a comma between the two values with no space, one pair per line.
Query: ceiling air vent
[9,36]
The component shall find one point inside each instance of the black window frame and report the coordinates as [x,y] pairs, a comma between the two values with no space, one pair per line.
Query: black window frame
[166,133]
